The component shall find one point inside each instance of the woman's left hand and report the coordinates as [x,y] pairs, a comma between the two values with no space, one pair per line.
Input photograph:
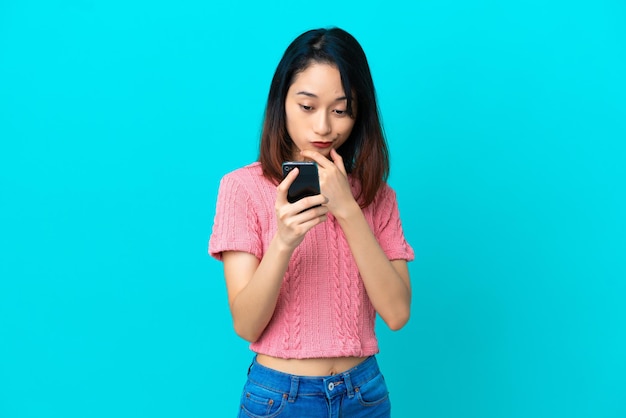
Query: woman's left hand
[334,183]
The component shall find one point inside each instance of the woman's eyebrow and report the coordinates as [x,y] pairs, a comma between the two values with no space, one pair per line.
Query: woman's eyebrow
[308,94]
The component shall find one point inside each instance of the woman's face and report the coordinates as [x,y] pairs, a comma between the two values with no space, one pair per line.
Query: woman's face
[315,109]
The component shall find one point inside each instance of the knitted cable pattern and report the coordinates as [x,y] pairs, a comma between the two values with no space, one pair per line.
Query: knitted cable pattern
[292,302]
[352,297]
[337,295]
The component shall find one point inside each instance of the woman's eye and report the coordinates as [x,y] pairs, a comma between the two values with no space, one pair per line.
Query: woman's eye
[340,112]
[306,108]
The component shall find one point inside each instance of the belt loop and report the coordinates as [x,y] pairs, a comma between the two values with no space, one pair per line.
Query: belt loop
[348,382]
[293,391]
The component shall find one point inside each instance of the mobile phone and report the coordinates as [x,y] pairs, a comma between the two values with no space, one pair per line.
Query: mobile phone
[307,183]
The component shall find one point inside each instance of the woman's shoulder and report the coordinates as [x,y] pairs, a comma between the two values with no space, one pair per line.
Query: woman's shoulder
[249,177]
[384,192]
[251,170]
[384,201]
[248,174]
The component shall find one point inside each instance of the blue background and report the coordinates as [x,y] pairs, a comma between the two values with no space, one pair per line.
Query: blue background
[506,122]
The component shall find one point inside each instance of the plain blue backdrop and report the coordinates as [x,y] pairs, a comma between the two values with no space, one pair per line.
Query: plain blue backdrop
[506,122]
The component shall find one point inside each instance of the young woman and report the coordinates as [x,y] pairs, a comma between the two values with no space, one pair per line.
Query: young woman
[306,279]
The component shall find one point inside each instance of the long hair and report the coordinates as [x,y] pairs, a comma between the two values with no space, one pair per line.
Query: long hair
[364,153]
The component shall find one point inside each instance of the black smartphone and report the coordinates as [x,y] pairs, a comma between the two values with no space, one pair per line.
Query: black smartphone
[307,183]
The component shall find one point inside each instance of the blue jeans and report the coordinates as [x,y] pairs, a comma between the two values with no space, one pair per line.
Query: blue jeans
[358,392]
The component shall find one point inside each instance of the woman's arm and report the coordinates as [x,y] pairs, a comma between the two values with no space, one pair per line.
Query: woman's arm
[387,282]
[253,286]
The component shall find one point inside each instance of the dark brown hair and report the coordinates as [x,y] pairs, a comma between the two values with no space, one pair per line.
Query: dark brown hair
[364,153]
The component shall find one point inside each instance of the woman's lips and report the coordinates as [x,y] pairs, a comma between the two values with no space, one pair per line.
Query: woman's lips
[322,144]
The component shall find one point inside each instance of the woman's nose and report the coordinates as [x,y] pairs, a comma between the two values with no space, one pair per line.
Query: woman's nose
[322,124]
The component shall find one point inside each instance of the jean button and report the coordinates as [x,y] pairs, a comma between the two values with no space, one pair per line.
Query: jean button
[331,386]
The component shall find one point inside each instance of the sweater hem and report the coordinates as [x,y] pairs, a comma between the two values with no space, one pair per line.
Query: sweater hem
[300,355]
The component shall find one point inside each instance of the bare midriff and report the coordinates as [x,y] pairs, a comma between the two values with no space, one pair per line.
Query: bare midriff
[310,366]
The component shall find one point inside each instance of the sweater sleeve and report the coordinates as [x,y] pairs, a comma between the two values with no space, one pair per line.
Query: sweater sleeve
[235,227]
[388,229]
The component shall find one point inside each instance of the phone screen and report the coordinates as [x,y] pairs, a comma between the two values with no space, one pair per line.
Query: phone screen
[306,184]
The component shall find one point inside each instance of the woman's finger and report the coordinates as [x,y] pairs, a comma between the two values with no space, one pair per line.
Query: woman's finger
[283,187]
[338,160]
[317,157]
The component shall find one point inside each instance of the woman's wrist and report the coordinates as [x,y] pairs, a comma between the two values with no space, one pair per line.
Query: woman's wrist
[281,248]
[348,211]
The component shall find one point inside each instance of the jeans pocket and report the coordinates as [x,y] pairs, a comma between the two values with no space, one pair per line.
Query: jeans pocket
[373,392]
[260,402]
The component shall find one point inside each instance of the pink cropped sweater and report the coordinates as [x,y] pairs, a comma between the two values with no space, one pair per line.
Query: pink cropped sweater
[323,309]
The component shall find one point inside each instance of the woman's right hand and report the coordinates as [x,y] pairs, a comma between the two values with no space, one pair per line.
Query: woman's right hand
[296,219]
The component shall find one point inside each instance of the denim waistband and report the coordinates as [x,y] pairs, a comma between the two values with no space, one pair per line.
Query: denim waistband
[331,386]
